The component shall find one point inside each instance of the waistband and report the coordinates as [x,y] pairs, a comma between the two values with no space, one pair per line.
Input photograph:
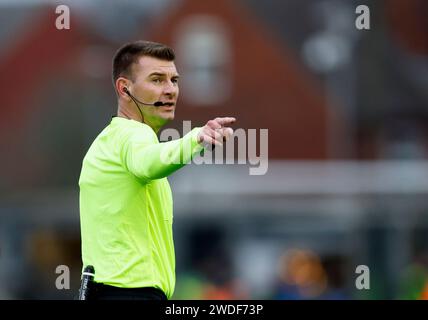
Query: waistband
[103,290]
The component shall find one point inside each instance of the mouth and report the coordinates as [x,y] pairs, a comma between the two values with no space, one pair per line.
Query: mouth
[166,104]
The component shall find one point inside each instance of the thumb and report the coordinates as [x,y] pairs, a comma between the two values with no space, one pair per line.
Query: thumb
[200,135]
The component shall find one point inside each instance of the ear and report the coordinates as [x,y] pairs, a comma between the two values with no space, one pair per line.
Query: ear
[120,85]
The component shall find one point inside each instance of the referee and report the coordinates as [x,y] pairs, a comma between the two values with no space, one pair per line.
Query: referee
[125,198]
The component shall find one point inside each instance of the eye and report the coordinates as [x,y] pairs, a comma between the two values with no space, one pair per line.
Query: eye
[156,80]
[175,80]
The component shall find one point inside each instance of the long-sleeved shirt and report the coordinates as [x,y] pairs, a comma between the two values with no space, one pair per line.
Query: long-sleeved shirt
[126,206]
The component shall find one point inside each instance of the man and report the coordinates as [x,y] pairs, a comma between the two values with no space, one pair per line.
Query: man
[125,198]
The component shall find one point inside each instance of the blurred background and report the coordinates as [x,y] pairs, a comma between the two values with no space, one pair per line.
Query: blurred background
[347,113]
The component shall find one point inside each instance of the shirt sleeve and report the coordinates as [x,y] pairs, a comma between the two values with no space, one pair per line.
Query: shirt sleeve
[148,159]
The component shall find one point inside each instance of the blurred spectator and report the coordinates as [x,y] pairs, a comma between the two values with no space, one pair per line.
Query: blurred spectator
[303,275]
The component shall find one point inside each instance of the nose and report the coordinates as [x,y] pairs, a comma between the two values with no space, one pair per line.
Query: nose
[170,88]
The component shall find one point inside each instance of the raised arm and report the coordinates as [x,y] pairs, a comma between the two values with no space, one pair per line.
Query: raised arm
[149,161]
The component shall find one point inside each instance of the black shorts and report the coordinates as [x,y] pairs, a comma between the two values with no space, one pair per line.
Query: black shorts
[101,291]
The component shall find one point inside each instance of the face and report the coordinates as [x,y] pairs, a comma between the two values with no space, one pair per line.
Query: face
[155,80]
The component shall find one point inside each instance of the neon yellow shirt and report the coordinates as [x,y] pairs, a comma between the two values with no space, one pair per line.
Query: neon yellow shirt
[126,205]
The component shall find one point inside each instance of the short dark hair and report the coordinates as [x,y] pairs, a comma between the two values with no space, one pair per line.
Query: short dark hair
[129,53]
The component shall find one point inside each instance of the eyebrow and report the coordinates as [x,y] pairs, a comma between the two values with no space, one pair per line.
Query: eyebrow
[162,75]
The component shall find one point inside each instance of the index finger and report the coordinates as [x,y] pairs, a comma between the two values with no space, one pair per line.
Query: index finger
[225,120]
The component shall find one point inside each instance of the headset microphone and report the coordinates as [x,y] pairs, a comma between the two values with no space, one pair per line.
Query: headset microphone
[156,104]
